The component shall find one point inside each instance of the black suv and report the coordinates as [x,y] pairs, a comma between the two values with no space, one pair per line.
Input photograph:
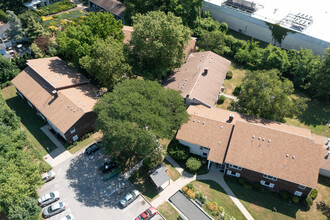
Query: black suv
[94,147]
[108,166]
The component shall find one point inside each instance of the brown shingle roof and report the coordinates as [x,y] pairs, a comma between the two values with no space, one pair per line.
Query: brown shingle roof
[114,7]
[63,111]
[290,157]
[284,139]
[207,133]
[190,80]
[57,72]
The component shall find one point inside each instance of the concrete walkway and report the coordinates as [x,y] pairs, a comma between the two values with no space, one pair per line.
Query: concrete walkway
[58,155]
[214,174]
[230,97]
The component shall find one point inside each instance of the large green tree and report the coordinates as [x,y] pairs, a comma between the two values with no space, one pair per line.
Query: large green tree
[8,70]
[106,62]
[188,10]
[134,115]
[15,5]
[32,24]
[264,94]
[157,43]
[76,40]
[16,30]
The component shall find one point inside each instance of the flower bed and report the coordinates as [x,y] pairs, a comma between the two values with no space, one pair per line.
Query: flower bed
[56,8]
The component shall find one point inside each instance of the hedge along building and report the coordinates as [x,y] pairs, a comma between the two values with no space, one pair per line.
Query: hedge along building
[278,156]
[60,95]
[291,24]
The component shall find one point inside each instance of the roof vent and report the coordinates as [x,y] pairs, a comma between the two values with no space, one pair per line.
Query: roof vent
[263,139]
[198,121]
[55,93]
[194,120]
[68,106]
[221,127]
[259,138]
[253,137]
[287,155]
[269,141]
[206,70]
[203,123]
[293,156]
[219,142]
[231,117]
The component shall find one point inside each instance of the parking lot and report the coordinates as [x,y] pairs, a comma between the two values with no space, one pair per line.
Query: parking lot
[86,195]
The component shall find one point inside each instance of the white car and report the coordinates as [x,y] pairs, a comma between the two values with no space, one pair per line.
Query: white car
[49,198]
[68,217]
[129,198]
[53,209]
[48,176]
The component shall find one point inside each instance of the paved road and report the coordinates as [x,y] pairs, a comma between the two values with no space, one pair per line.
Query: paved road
[86,195]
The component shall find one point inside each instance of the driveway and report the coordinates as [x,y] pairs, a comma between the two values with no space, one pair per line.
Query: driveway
[86,195]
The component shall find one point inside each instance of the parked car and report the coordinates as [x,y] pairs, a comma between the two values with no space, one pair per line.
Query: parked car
[48,198]
[129,198]
[108,166]
[48,176]
[53,209]
[94,147]
[68,217]
[147,214]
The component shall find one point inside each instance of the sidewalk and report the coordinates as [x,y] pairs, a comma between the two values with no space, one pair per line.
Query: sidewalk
[186,178]
[58,155]
[230,97]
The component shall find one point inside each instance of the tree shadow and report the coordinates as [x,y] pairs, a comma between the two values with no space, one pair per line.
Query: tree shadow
[324,208]
[87,183]
[315,114]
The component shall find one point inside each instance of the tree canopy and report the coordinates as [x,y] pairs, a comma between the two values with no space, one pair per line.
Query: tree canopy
[106,62]
[134,114]
[8,70]
[16,30]
[76,40]
[264,94]
[157,43]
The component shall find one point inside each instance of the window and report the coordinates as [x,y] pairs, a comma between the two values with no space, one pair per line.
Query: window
[74,138]
[301,187]
[205,154]
[235,167]
[30,104]
[270,177]
[297,193]
[232,173]
[268,184]
[201,148]
[72,130]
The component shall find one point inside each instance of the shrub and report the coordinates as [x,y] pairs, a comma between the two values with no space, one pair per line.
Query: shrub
[184,189]
[178,151]
[3,16]
[191,193]
[295,199]
[135,174]
[257,186]
[313,194]
[216,213]
[229,74]
[285,195]
[221,209]
[247,186]
[237,90]
[221,99]
[190,186]
[309,201]
[241,180]
[200,196]
[212,206]
[193,164]
[55,16]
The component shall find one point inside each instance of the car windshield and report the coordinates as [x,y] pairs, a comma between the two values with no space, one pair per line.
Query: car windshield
[52,195]
[68,217]
[49,173]
[149,212]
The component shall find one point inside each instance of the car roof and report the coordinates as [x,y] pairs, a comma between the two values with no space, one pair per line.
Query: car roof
[153,210]
[128,196]
[57,205]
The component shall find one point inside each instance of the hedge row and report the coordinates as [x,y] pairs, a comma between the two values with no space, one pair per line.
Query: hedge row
[56,8]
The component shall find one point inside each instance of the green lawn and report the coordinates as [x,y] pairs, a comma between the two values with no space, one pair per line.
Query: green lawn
[63,18]
[31,123]
[172,172]
[145,186]
[83,143]
[260,204]
[238,75]
[168,211]
[215,192]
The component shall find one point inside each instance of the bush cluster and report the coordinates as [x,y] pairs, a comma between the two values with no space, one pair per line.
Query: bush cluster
[221,99]
[212,206]
[193,164]
[237,90]
[313,194]
[190,191]
[241,180]
[229,74]
[178,151]
[56,8]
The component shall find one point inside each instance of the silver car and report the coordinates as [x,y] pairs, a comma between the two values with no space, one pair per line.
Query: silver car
[129,198]
[48,176]
[49,198]
[53,209]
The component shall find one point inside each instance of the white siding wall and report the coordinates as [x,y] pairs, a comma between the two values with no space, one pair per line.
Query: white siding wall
[195,149]
[253,27]
[165,184]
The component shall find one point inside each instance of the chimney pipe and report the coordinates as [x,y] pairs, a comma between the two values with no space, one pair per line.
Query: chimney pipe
[231,117]
[55,93]
[206,70]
